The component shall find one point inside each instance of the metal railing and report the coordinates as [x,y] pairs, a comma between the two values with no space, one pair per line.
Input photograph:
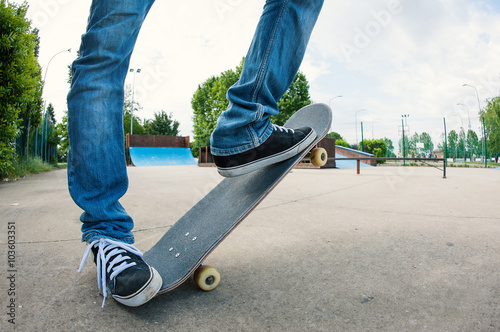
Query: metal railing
[358,159]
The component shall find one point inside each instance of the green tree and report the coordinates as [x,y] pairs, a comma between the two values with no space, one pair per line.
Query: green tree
[427,140]
[335,135]
[53,138]
[20,80]
[62,133]
[51,113]
[162,124]
[293,100]
[452,144]
[404,150]
[339,140]
[491,115]
[378,147]
[138,128]
[461,143]
[473,144]
[209,101]
[390,148]
[412,144]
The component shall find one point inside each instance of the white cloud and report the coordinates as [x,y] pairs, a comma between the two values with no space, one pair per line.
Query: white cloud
[414,62]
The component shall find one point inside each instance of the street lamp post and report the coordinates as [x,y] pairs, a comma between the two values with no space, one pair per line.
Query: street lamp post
[138,70]
[330,101]
[484,136]
[403,120]
[45,107]
[468,113]
[356,123]
[329,104]
[362,138]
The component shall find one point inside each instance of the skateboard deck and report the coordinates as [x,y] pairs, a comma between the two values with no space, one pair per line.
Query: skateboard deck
[184,247]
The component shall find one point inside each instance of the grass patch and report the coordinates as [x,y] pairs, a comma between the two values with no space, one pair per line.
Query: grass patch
[33,165]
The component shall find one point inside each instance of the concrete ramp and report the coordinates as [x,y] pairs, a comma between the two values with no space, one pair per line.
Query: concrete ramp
[148,156]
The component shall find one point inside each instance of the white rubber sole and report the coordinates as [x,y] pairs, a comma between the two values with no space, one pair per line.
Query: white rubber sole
[145,294]
[230,172]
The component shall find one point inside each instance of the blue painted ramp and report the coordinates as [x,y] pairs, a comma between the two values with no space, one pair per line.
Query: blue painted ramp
[348,163]
[146,156]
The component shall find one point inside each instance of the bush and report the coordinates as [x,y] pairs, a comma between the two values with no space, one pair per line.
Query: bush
[33,165]
[20,80]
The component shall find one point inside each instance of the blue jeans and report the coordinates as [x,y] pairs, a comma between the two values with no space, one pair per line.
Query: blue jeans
[274,57]
[97,174]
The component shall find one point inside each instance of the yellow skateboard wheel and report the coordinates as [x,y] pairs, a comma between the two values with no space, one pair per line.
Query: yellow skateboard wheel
[319,157]
[206,277]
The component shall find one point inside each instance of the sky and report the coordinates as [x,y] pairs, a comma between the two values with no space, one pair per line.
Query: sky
[386,58]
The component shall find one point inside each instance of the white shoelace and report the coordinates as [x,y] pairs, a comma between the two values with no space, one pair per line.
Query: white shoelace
[280,128]
[112,248]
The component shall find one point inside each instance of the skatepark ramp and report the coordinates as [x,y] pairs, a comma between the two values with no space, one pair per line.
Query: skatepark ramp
[148,156]
[157,150]
[343,152]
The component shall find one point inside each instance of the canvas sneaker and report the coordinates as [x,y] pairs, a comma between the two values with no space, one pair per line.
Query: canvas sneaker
[284,143]
[122,272]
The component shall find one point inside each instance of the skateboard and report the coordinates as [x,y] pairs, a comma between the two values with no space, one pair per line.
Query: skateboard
[183,248]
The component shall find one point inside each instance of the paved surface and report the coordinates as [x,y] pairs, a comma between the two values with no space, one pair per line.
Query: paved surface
[392,249]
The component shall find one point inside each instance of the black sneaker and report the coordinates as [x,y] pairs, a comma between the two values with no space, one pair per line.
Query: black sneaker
[284,143]
[122,272]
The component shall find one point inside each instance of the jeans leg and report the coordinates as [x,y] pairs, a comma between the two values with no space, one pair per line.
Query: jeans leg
[97,174]
[274,57]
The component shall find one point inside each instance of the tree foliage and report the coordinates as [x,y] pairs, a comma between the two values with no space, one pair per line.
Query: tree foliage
[209,101]
[162,124]
[462,145]
[62,133]
[296,97]
[20,79]
[491,116]
[452,144]
[390,147]
[138,128]
[411,148]
[378,147]
[339,140]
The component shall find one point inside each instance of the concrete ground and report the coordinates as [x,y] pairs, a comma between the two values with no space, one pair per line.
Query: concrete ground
[392,249]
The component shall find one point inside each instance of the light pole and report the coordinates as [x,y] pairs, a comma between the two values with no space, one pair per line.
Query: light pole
[138,70]
[479,106]
[362,138]
[329,104]
[465,136]
[330,101]
[48,64]
[468,114]
[45,107]
[356,124]
[403,124]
